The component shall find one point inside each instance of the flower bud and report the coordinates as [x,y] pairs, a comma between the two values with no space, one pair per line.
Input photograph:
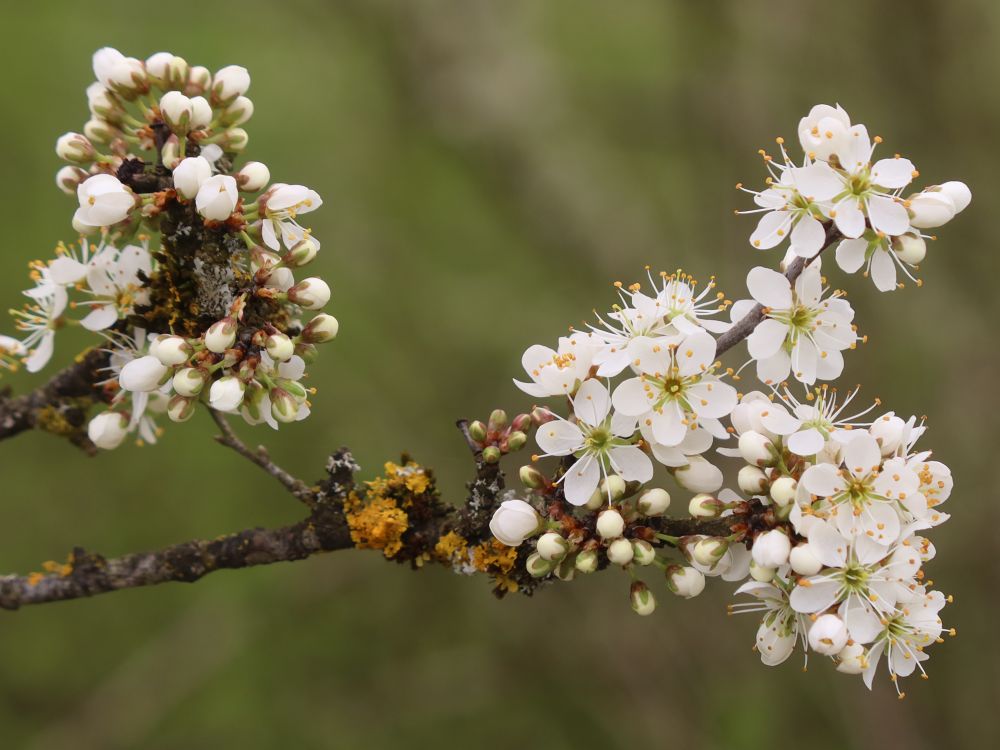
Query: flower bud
[654,502]
[587,561]
[491,454]
[477,431]
[221,335]
[643,553]
[168,71]
[760,573]
[234,140]
[103,104]
[171,350]
[217,197]
[620,552]
[170,152]
[201,113]
[181,409]
[783,491]
[756,449]
[238,112]
[852,659]
[705,506]
[531,477]
[302,253]
[514,521]
[100,131]
[320,329]
[142,375]
[175,108]
[537,566]
[771,549]
[280,347]
[828,635]
[930,209]
[910,248]
[312,293]
[804,561]
[228,83]
[566,569]
[199,80]
[294,387]
[254,176]
[888,430]
[752,480]
[551,546]
[685,581]
[610,490]
[68,179]
[189,381]
[516,441]
[498,419]
[709,551]
[281,279]
[190,175]
[610,524]
[107,430]
[959,193]
[226,394]
[75,148]
[643,601]
[284,407]
[699,475]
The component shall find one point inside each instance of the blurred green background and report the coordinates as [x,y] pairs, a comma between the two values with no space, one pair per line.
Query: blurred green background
[488,168]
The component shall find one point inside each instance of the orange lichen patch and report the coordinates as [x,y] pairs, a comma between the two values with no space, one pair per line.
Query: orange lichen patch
[410,477]
[496,559]
[451,548]
[35,578]
[376,523]
[51,566]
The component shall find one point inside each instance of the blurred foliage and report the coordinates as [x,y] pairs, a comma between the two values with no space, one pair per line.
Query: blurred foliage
[488,169]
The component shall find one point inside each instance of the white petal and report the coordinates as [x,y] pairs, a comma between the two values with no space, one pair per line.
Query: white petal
[767,338]
[581,480]
[101,317]
[668,425]
[631,397]
[887,215]
[774,369]
[779,421]
[814,594]
[883,271]
[817,181]
[806,443]
[808,236]
[769,288]
[822,480]
[862,456]
[893,173]
[592,402]
[631,463]
[848,217]
[559,437]
[771,229]
[695,353]
[851,255]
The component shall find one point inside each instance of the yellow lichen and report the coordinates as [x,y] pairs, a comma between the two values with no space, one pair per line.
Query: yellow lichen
[451,548]
[496,559]
[51,566]
[376,523]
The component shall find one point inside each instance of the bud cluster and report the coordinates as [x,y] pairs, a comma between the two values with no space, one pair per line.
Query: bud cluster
[157,156]
[500,436]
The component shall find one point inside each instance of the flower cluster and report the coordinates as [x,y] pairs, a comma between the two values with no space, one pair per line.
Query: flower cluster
[827,530]
[212,311]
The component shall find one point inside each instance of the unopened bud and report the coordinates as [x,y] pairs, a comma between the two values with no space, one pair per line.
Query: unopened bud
[521,423]
[783,491]
[234,140]
[284,407]
[516,441]
[201,113]
[537,566]
[551,546]
[756,449]
[804,561]
[587,561]
[771,549]
[100,131]
[221,335]
[709,551]
[171,350]
[643,601]
[654,502]
[491,454]
[477,431]
[752,480]
[760,573]
[620,552]
[610,490]
[685,581]
[566,569]
[312,293]
[705,506]
[531,477]
[75,148]
[238,112]
[498,419]
[252,177]
[321,329]
[280,347]
[175,108]
[540,415]
[189,381]
[302,253]
[170,153]
[199,80]
[699,475]
[910,248]
[610,524]
[643,553]
[181,409]
[69,178]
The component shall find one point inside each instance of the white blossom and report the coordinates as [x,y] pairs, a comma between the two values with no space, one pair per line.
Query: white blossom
[217,197]
[104,201]
[514,521]
[284,204]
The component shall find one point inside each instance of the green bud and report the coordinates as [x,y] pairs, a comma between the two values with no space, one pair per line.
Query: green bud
[643,552]
[498,419]
[537,566]
[477,431]
[516,441]
[491,454]
[586,561]
[531,477]
[643,601]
